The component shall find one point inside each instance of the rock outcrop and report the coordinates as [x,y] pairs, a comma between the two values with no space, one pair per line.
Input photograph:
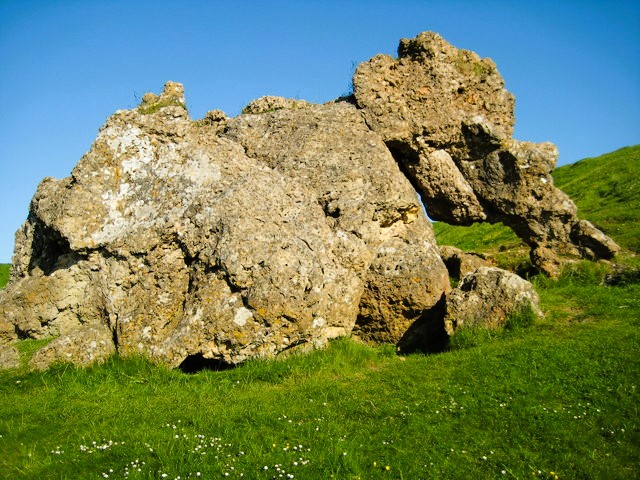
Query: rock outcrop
[282,229]
[291,224]
[448,120]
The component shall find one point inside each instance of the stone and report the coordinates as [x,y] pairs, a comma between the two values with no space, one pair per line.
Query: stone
[7,329]
[271,103]
[83,346]
[486,298]
[461,263]
[185,239]
[42,305]
[448,120]
[224,239]
[9,357]
[368,203]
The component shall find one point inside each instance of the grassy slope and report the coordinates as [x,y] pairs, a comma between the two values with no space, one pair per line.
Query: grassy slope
[612,199]
[560,396]
[606,190]
[4,274]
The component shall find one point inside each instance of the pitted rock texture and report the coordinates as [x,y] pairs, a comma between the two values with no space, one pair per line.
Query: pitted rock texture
[368,203]
[447,118]
[9,357]
[83,346]
[280,230]
[291,224]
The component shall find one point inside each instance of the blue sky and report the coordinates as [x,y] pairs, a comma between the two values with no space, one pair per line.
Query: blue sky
[65,66]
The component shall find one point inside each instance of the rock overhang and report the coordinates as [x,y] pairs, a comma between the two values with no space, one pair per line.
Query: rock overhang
[291,224]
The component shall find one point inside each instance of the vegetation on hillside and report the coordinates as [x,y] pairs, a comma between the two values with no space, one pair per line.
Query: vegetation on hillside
[607,192]
[552,398]
[5,270]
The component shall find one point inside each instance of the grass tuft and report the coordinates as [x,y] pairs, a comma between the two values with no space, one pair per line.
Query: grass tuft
[5,273]
[147,109]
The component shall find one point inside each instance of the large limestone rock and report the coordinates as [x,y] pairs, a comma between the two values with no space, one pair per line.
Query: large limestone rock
[9,357]
[447,118]
[291,224]
[222,238]
[83,346]
[368,203]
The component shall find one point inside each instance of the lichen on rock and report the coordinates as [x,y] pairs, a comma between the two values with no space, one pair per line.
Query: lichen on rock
[286,226]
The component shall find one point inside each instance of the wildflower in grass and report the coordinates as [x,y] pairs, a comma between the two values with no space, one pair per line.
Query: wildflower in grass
[387,468]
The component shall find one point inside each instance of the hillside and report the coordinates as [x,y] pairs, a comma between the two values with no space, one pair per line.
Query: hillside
[606,190]
[553,399]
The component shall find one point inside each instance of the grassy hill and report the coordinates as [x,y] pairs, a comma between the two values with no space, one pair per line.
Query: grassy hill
[606,190]
[555,400]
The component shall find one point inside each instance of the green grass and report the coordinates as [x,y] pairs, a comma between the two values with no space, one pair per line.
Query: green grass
[4,274]
[147,109]
[557,394]
[560,395]
[606,190]
[612,201]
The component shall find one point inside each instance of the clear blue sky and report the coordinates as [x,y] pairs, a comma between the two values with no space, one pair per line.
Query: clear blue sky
[65,66]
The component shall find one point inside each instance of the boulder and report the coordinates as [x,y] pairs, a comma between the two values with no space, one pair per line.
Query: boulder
[7,329]
[9,357]
[368,203]
[461,263]
[224,239]
[448,120]
[486,298]
[83,346]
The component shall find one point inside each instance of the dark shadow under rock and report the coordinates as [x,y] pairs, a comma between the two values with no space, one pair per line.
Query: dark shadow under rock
[197,363]
[427,334]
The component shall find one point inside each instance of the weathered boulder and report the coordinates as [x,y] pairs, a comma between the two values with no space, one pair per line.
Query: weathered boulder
[7,331]
[486,298]
[41,304]
[384,235]
[9,357]
[291,224]
[223,238]
[83,346]
[448,120]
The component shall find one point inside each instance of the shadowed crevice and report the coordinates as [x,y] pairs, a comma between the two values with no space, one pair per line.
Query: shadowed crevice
[427,334]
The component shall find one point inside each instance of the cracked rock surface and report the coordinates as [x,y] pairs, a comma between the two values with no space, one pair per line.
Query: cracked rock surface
[448,120]
[291,224]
